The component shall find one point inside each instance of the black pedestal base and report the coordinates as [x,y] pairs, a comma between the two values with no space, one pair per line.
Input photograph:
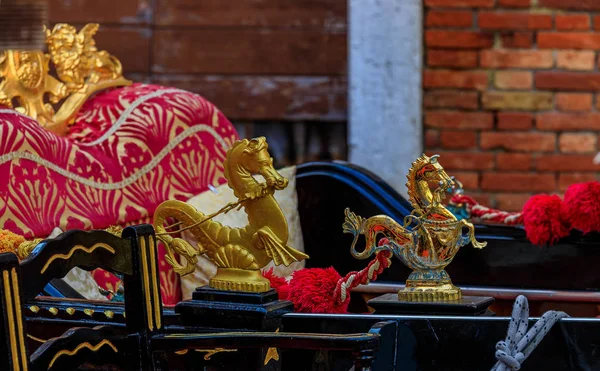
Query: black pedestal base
[230,310]
[466,306]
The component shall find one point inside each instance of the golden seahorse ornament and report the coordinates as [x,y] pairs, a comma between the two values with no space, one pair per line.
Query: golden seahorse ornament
[239,253]
[429,239]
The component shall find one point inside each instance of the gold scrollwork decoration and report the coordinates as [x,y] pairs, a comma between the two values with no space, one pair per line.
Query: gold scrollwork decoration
[209,352]
[88,250]
[93,348]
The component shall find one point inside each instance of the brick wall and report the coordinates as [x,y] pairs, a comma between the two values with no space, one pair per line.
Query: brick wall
[512,94]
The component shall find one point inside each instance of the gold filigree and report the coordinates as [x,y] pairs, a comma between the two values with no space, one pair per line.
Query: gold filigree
[81,68]
[36,339]
[53,310]
[70,311]
[272,354]
[432,242]
[88,250]
[34,308]
[88,312]
[87,345]
[238,253]
[209,352]
[109,314]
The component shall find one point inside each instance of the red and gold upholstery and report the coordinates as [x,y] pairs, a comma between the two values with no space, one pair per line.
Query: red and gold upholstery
[129,149]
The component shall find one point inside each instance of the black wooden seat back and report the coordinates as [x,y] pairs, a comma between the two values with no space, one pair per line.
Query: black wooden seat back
[13,349]
[54,258]
[134,256]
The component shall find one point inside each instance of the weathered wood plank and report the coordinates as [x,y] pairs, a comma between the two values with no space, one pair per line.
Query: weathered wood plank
[325,15]
[268,98]
[130,44]
[249,51]
[105,11]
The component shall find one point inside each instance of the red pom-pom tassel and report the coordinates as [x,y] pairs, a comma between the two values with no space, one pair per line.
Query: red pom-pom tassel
[278,283]
[312,291]
[543,220]
[582,206]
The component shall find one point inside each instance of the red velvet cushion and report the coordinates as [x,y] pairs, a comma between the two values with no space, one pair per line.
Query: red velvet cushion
[130,149]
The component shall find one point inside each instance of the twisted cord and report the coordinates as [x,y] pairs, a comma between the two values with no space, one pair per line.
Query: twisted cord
[369,273]
[483,213]
[519,342]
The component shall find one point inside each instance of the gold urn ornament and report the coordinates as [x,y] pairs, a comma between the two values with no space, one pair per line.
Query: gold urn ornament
[429,239]
[238,253]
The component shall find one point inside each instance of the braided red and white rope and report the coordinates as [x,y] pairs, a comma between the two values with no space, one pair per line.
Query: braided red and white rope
[369,273]
[477,211]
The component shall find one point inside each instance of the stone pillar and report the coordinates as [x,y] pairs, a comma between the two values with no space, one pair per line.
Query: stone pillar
[385,60]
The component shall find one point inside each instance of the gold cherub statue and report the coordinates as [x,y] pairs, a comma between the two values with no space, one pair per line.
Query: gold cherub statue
[239,253]
[430,245]
[82,70]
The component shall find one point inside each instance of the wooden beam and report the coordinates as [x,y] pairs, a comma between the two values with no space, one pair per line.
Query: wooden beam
[308,98]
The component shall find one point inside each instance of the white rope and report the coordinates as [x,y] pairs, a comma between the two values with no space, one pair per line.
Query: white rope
[519,342]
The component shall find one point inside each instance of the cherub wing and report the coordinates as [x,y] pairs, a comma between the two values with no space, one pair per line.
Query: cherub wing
[86,34]
[276,250]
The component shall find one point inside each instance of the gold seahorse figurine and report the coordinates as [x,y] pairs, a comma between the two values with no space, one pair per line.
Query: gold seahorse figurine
[430,244]
[239,253]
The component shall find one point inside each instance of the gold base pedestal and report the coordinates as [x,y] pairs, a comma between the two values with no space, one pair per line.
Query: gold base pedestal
[429,285]
[441,292]
[233,279]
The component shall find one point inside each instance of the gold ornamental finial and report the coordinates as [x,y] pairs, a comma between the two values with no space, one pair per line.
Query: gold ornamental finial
[238,253]
[81,68]
[429,239]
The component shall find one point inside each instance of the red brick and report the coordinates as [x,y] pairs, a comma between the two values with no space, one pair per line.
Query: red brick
[511,201]
[460,3]
[517,141]
[455,79]
[573,101]
[513,161]
[574,60]
[513,80]
[572,22]
[567,81]
[565,180]
[514,121]
[458,139]
[439,18]
[568,121]
[459,120]
[514,3]
[566,163]
[517,39]
[432,138]
[469,179]
[467,160]
[451,99]
[451,58]
[598,102]
[514,21]
[597,22]
[524,182]
[516,59]
[458,39]
[570,4]
[577,142]
[568,40]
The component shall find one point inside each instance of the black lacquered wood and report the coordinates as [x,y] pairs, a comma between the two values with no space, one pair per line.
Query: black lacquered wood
[509,260]
[99,346]
[54,258]
[427,343]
